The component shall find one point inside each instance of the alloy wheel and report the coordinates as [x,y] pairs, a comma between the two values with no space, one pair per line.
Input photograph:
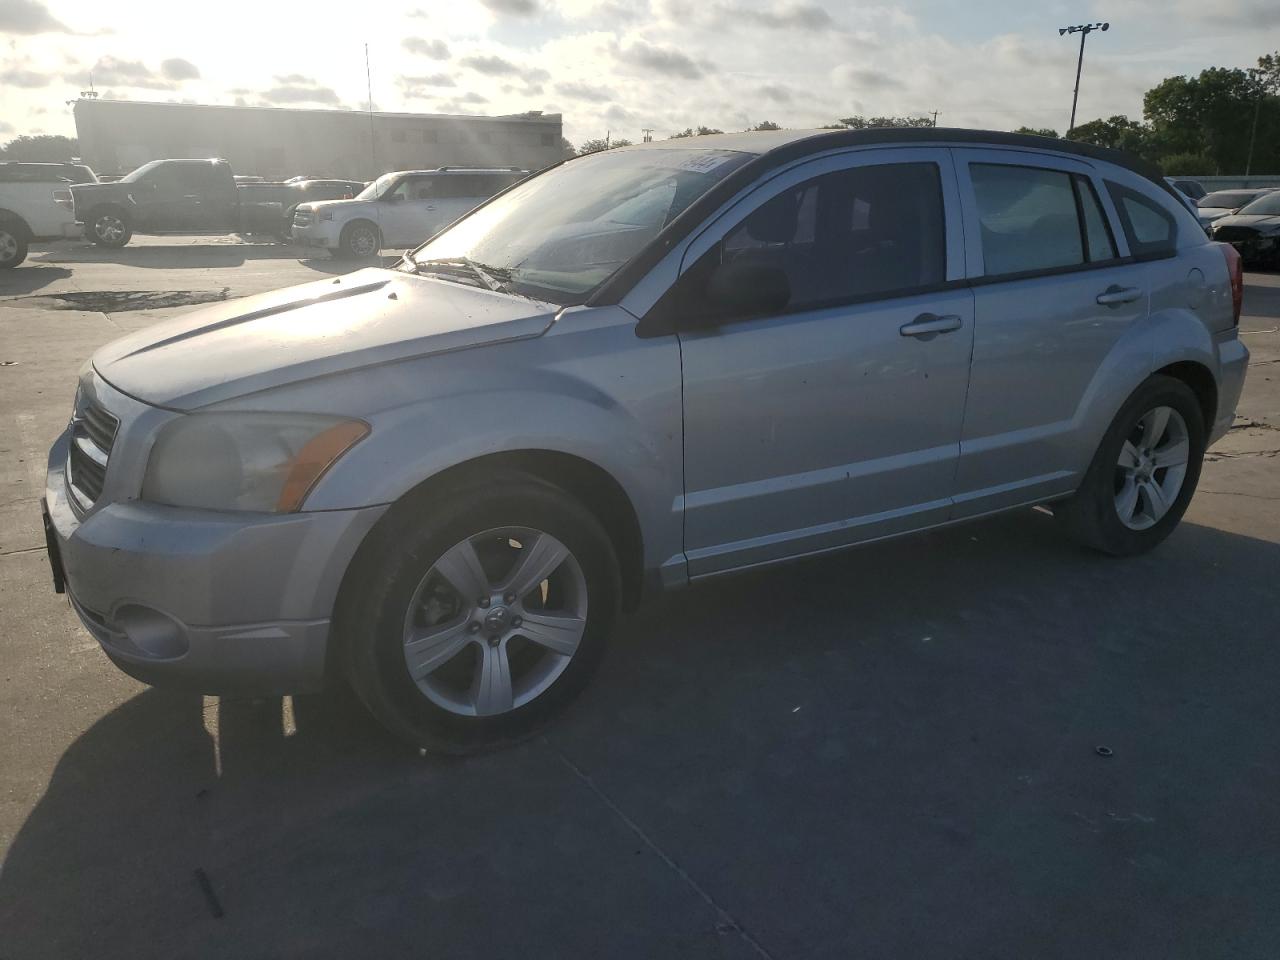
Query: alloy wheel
[109,228]
[495,621]
[8,246]
[1151,468]
[363,242]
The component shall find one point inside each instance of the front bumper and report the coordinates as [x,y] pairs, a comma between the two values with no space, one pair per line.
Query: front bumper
[218,602]
[318,233]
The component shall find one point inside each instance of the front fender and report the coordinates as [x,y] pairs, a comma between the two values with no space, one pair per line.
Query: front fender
[601,395]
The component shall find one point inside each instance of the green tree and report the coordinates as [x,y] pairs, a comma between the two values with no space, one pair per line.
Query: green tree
[765,125]
[600,143]
[1038,132]
[1186,164]
[692,132]
[567,149]
[862,123]
[1117,132]
[45,148]
[1215,113]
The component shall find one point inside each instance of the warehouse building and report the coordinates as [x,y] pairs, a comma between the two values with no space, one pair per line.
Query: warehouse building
[276,142]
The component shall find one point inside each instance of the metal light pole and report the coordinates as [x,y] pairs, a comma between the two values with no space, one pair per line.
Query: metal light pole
[1084,30]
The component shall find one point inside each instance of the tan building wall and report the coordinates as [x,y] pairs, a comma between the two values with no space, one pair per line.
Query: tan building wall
[275,142]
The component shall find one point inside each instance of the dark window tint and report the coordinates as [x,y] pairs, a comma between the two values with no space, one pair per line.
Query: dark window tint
[855,234]
[1097,233]
[1027,217]
[1149,227]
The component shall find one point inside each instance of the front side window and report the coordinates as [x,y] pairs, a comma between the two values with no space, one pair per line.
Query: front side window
[560,235]
[853,235]
[1149,228]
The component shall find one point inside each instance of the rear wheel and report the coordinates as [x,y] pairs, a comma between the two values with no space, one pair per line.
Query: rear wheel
[110,228]
[13,246]
[1144,473]
[472,619]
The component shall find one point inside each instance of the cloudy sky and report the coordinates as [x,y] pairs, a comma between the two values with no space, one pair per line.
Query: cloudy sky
[621,65]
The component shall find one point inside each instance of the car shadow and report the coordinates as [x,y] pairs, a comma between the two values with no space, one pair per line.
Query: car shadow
[28,279]
[896,748]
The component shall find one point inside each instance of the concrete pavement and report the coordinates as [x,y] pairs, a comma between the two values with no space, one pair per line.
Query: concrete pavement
[887,753]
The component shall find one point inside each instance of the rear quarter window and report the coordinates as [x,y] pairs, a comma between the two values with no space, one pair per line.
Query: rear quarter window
[1151,230]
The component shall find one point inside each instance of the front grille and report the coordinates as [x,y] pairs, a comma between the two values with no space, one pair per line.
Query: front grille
[93,433]
[1232,234]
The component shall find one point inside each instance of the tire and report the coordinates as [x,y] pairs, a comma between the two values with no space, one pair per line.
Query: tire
[1099,514]
[395,591]
[13,246]
[360,240]
[109,228]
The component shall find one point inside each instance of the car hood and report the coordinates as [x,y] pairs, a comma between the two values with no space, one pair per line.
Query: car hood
[1249,220]
[366,318]
[337,206]
[1214,212]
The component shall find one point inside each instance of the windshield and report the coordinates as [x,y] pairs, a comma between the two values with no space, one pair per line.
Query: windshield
[141,172]
[376,189]
[561,234]
[1265,206]
[1227,198]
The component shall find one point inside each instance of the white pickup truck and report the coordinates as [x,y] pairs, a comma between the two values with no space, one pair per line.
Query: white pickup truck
[35,204]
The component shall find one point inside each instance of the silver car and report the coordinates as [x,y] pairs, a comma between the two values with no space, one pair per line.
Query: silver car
[640,368]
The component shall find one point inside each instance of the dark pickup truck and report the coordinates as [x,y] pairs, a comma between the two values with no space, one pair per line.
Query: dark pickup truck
[193,196]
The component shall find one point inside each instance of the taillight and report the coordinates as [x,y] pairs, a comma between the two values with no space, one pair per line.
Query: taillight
[1235,268]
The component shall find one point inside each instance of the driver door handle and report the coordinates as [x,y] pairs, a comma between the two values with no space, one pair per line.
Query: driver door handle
[1115,294]
[928,325]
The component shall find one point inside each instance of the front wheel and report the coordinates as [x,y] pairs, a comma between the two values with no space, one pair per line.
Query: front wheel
[359,241]
[110,228]
[471,619]
[13,246]
[1144,473]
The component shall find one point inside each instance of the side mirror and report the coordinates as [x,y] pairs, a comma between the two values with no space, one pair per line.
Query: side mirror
[737,290]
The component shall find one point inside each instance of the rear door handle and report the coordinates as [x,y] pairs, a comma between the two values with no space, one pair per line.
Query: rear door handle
[1116,294]
[928,325]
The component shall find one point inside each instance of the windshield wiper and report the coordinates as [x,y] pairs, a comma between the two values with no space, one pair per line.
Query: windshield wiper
[497,279]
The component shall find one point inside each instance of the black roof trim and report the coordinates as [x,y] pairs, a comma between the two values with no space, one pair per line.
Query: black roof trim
[617,286]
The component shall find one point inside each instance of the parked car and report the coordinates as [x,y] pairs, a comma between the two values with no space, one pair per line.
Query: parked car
[1191,188]
[178,196]
[35,204]
[398,209]
[1223,203]
[637,369]
[21,171]
[1254,231]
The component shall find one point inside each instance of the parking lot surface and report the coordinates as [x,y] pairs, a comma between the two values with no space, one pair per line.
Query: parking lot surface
[982,742]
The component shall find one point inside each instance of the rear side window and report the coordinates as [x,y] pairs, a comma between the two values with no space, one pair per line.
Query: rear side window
[1150,229]
[1028,219]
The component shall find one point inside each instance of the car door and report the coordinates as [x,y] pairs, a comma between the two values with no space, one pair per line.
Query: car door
[190,204]
[457,194]
[833,417]
[1054,291]
[409,211]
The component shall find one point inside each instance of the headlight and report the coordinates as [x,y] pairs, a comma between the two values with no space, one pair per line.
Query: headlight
[245,461]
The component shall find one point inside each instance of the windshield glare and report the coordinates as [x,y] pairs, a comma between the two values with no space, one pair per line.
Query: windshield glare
[560,235]
[376,189]
[1268,206]
[141,172]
